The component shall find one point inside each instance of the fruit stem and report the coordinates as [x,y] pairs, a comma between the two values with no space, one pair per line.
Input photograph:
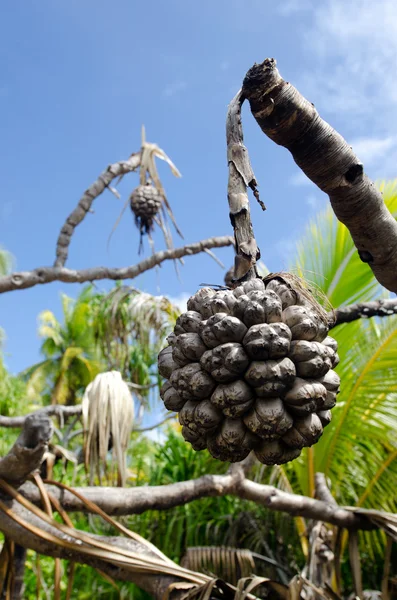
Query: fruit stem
[241,176]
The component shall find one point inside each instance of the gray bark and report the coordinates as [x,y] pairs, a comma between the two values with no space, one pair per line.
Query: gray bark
[136,500]
[241,176]
[28,279]
[290,120]
[26,454]
[362,310]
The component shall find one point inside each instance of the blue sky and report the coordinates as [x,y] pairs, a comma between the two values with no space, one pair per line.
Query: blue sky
[79,77]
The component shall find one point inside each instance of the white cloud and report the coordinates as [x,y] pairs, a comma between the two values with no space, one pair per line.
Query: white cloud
[300,179]
[352,61]
[174,88]
[355,47]
[291,7]
[372,150]
[180,301]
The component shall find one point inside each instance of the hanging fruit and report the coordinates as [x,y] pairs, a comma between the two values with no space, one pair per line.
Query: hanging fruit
[251,369]
[145,202]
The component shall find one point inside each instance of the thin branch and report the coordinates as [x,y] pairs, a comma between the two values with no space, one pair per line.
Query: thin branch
[151,427]
[49,411]
[241,176]
[27,453]
[28,279]
[290,120]
[136,500]
[115,170]
[363,310]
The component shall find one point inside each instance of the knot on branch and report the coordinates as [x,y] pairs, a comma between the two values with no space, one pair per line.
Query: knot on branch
[27,453]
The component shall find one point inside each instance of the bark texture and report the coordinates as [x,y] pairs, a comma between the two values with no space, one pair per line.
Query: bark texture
[115,170]
[241,176]
[122,501]
[26,454]
[363,310]
[290,120]
[28,279]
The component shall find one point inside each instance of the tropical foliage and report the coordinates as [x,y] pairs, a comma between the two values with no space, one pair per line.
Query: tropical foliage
[358,450]
[124,330]
[71,358]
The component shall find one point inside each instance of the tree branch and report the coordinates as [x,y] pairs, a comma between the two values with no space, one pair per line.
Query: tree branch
[28,279]
[26,454]
[54,410]
[362,310]
[136,500]
[291,121]
[322,491]
[240,177]
[115,170]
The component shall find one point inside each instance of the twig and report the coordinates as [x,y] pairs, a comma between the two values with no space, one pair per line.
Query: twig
[28,279]
[324,156]
[241,176]
[115,170]
[151,427]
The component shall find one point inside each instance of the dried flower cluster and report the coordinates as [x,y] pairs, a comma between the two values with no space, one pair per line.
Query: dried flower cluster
[251,369]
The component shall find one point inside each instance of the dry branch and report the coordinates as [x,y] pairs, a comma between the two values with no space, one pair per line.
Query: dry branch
[28,279]
[241,176]
[322,491]
[363,310]
[26,454]
[51,411]
[290,120]
[115,170]
[136,500]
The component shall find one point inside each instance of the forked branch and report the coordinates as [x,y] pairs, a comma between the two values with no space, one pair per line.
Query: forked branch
[290,120]
[115,170]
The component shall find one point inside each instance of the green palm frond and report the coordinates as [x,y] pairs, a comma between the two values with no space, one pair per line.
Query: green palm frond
[326,255]
[358,451]
[6,261]
[71,356]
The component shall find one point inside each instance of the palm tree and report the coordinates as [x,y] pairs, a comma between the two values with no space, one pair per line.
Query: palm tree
[72,359]
[130,328]
[358,450]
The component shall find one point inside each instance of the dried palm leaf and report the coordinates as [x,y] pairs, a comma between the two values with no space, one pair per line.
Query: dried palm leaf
[229,564]
[108,414]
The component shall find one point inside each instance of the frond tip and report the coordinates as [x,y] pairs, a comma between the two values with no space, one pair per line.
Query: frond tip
[108,415]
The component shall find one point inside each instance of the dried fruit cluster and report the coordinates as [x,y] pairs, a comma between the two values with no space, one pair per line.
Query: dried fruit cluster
[145,202]
[251,369]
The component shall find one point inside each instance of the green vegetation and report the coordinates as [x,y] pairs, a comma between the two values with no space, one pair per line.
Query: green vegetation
[125,329]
